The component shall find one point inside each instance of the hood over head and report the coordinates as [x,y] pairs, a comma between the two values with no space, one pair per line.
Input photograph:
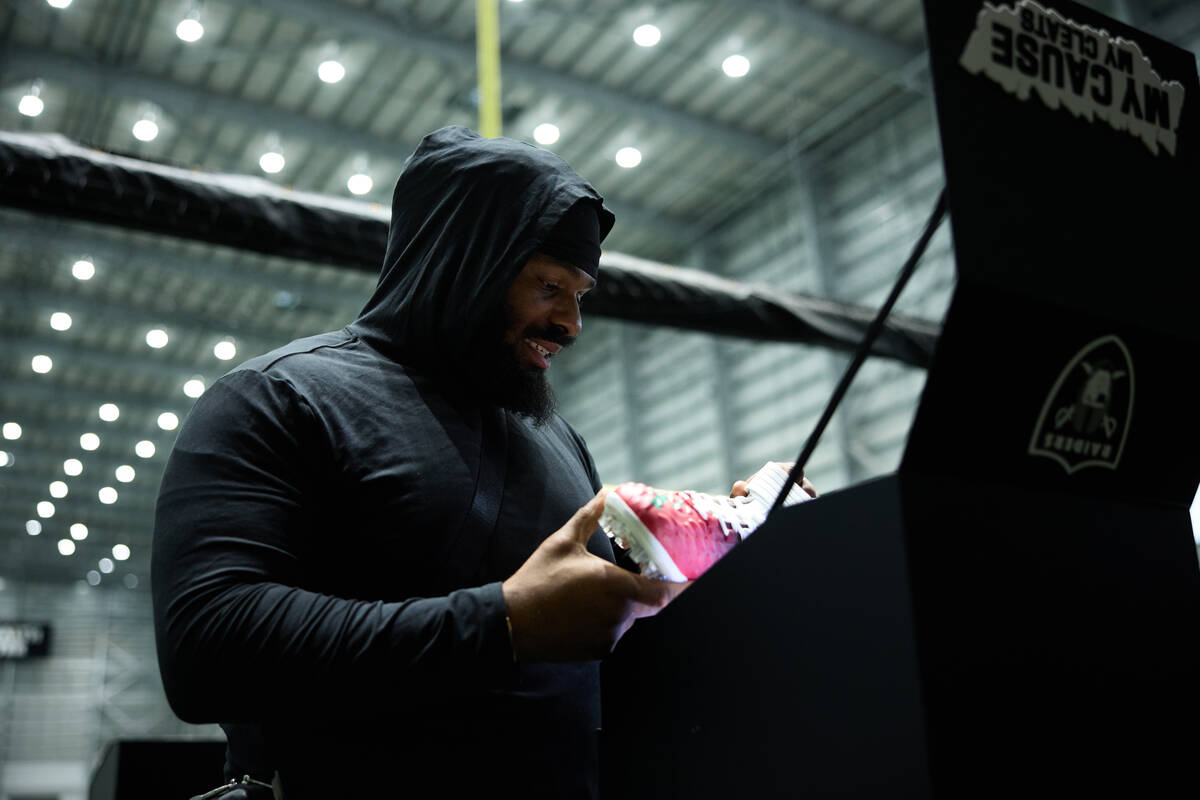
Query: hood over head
[467,213]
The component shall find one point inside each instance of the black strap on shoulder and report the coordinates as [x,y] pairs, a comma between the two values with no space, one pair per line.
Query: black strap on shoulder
[464,555]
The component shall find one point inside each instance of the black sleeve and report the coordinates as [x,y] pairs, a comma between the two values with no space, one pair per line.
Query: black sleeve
[238,640]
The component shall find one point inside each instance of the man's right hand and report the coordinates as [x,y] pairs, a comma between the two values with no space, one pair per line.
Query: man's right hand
[566,604]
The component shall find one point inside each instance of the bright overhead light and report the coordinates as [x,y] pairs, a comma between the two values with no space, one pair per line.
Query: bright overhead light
[168,421]
[6,458]
[629,157]
[11,430]
[194,387]
[225,350]
[125,473]
[647,35]
[92,577]
[41,364]
[73,467]
[736,66]
[66,547]
[109,412]
[271,162]
[45,509]
[120,552]
[107,495]
[546,133]
[33,527]
[58,3]
[89,441]
[58,489]
[83,269]
[189,30]
[144,448]
[145,130]
[106,565]
[60,320]
[360,183]
[79,531]
[31,105]
[157,338]
[331,71]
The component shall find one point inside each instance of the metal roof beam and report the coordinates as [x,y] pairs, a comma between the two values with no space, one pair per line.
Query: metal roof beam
[888,54]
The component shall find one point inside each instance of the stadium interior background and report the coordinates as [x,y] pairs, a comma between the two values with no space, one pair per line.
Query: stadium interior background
[789,144]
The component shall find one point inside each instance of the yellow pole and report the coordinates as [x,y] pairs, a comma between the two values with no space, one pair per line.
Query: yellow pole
[487,57]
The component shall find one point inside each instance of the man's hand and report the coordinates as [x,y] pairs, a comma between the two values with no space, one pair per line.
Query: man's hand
[566,604]
[739,487]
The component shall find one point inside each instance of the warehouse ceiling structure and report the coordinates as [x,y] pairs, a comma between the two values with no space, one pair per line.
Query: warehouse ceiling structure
[684,114]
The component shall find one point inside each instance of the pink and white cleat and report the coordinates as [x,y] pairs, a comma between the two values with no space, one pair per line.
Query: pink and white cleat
[677,536]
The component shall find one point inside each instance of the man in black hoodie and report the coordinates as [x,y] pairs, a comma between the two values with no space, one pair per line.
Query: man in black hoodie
[376,548]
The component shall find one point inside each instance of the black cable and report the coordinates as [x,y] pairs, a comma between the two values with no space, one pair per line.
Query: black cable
[860,355]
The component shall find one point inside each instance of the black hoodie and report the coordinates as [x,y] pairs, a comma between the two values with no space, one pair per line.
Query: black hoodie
[302,576]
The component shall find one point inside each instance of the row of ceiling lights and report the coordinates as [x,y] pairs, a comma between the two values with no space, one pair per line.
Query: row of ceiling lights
[84,269]
[330,70]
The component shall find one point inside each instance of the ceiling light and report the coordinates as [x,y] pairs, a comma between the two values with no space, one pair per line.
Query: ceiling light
[120,552]
[45,509]
[73,467]
[145,130]
[89,441]
[83,269]
[30,104]
[33,527]
[109,412]
[66,547]
[58,3]
[546,133]
[41,364]
[360,183]
[58,489]
[130,581]
[629,157]
[646,35]
[735,66]
[107,495]
[93,577]
[189,30]
[168,421]
[193,388]
[271,162]
[60,320]
[106,565]
[79,531]
[144,448]
[157,338]
[11,430]
[6,458]
[125,473]
[331,71]
[225,350]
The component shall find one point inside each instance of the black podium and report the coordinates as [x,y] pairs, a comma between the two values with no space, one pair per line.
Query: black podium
[1016,611]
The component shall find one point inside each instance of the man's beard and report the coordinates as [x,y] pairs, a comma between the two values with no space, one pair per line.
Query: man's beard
[495,373]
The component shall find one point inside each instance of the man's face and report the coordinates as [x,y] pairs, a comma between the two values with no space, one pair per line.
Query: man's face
[539,318]
[543,307]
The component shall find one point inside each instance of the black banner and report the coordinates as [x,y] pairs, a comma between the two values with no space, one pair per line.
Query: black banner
[24,639]
[50,174]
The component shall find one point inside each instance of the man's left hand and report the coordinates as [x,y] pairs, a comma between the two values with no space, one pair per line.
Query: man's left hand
[739,487]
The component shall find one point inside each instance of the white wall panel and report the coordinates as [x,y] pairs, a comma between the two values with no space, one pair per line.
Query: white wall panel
[99,682]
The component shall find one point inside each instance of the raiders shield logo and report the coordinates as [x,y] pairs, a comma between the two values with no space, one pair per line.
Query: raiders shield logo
[1085,419]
